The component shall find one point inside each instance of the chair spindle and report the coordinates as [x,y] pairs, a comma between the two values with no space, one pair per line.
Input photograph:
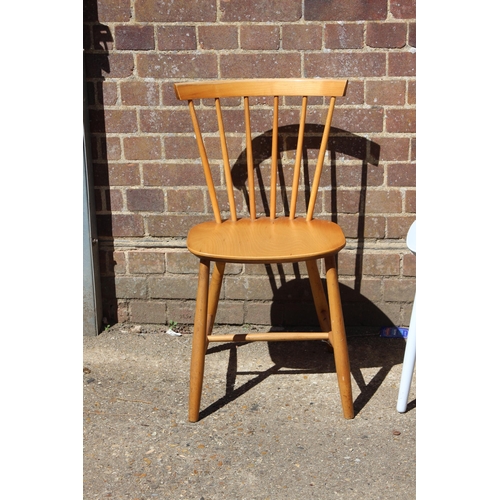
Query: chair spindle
[225,158]
[298,158]
[251,183]
[274,160]
[321,157]
[204,162]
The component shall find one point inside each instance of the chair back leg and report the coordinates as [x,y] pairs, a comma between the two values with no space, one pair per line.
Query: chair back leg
[338,339]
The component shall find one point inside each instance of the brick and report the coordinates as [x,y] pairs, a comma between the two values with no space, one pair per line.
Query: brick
[120,225]
[355,10]
[410,204]
[261,10]
[111,148]
[149,312]
[359,175]
[130,287]
[107,93]
[344,65]
[118,65]
[397,227]
[346,263]
[383,201]
[412,92]
[402,64]
[146,262]
[114,200]
[249,288]
[181,311]
[120,121]
[401,175]
[179,147]
[401,120]
[182,262]
[112,10]
[366,226]
[165,120]
[367,289]
[355,94]
[399,290]
[403,9]
[359,120]
[137,93]
[412,34]
[186,200]
[392,148]
[385,92]
[149,200]
[260,37]
[166,65]
[230,313]
[173,175]
[122,314]
[413,149]
[302,37]
[409,265]
[168,97]
[280,270]
[134,37]
[142,148]
[173,287]
[348,201]
[176,38]
[118,263]
[259,313]
[273,65]
[344,36]
[173,225]
[119,174]
[218,37]
[380,265]
[386,35]
[175,11]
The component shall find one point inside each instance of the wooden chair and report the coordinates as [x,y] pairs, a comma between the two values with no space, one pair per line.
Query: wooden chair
[273,238]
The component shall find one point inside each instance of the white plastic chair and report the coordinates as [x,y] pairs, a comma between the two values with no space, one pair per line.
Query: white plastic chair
[410,349]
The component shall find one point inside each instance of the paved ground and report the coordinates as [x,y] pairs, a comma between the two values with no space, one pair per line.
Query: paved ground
[271,427]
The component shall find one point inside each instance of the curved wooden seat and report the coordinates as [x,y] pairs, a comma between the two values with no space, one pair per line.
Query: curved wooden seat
[265,240]
[269,233]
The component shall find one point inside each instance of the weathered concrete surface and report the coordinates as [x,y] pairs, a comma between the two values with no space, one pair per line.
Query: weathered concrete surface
[271,427]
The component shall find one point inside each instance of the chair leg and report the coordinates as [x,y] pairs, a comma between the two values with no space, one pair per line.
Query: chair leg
[319,296]
[338,338]
[214,294]
[199,342]
[408,361]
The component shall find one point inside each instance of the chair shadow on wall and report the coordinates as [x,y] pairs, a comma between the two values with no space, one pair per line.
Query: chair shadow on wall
[292,303]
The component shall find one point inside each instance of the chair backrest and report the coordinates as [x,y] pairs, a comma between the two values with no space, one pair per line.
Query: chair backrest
[276,89]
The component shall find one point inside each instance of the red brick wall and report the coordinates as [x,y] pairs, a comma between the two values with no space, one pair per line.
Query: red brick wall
[148,180]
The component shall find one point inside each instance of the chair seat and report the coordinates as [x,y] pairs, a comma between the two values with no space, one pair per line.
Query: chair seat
[265,240]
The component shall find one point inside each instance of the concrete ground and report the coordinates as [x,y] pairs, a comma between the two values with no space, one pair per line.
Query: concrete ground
[271,424]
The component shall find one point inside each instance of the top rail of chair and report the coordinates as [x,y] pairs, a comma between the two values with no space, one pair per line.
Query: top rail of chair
[260,87]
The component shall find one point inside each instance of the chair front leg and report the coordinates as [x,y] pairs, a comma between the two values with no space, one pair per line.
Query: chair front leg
[338,339]
[214,294]
[199,342]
